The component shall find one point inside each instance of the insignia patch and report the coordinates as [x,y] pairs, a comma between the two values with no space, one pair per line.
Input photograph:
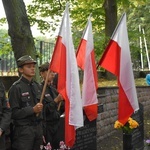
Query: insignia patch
[25,94]
[47,95]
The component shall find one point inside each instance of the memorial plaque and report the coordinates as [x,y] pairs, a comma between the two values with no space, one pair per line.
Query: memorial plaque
[138,133]
[86,136]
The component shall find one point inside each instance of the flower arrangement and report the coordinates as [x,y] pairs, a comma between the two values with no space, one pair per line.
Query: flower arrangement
[128,127]
[148,142]
[48,146]
[63,146]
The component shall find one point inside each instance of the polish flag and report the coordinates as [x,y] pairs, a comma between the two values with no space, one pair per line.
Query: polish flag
[64,63]
[86,61]
[117,60]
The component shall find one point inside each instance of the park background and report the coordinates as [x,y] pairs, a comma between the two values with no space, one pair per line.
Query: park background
[138,29]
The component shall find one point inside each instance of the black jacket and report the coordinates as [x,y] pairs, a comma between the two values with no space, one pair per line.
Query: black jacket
[23,96]
[5,111]
[50,110]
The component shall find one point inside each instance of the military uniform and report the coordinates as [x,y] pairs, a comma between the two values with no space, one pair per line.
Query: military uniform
[23,96]
[5,116]
[51,114]
[51,117]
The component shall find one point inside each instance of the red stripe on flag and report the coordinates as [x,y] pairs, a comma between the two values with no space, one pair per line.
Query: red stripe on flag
[125,109]
[91,111]
[58,64]
[86,61]
[81,54]
[111,58]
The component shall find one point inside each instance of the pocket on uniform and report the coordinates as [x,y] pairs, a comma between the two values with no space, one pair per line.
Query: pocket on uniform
[25,101]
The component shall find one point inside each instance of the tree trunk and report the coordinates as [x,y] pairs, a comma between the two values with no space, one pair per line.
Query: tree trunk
[110,7]
[19,29]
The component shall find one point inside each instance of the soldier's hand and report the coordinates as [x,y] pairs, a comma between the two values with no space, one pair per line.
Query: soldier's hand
[38,108]
[58,99]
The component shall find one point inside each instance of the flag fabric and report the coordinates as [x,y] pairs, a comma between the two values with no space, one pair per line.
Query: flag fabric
[86,61]
[117,60]
[64,63]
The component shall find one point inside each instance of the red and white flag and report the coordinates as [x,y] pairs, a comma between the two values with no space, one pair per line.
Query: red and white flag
[86,61]
[117,60]
[64,63]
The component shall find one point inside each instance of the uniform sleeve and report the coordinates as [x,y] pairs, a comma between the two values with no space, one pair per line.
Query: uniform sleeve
[5,110]
[15,103]
[62,105]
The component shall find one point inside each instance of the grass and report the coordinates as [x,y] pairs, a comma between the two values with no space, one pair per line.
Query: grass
[109,83]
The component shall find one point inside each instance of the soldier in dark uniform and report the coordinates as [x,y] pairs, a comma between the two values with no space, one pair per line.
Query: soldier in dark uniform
[52,109]
[24,96]
[5,116]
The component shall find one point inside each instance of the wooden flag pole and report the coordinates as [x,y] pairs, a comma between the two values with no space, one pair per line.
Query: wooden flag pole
[59,105]
[44,88]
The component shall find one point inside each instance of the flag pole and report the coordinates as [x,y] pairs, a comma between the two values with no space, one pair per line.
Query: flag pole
[44,88]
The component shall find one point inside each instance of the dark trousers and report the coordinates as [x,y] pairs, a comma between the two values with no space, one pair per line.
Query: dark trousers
[52,135]
[27,138]
[2,143]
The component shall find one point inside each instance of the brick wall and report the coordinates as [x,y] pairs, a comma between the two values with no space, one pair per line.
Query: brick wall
[108,107]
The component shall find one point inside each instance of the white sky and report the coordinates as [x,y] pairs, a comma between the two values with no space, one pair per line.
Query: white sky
[34,30]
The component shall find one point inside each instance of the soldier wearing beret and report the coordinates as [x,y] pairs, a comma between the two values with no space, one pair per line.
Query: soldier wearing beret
[5,116]
[24,96]
[51,110]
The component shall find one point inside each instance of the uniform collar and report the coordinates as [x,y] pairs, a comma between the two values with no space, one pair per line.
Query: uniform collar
[26,80]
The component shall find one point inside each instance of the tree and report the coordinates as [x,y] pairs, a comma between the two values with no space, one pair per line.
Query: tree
[19,29]
[110,7]
[105,14]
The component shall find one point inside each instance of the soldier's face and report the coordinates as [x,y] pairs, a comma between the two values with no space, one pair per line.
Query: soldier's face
[50,77]
[28,70]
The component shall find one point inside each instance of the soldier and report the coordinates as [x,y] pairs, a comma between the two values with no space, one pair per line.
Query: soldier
[51,110]
[24,96]
[5,116]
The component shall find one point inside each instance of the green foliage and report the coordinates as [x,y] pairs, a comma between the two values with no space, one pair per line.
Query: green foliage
[138,16]
[50,10]
[80,11]
[48,14]
[2,21]
[5,45]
